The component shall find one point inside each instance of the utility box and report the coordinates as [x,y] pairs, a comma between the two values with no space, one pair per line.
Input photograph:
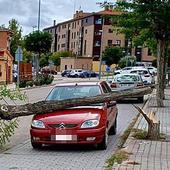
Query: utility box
[25,71]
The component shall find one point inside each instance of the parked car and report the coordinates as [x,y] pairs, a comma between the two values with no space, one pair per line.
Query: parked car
[65,73]
[127,81]
[48,71]
[152,70]
[145,74]
[75,73]
[88,73]
[89,124]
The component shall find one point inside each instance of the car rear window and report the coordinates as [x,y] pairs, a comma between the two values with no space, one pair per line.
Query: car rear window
[71,92]
[124,78]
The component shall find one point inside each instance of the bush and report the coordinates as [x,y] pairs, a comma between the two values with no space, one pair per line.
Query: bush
[29,83]
[43,79]
[23,84]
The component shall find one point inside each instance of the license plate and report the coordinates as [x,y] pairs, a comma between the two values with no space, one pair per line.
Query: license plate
[64,137]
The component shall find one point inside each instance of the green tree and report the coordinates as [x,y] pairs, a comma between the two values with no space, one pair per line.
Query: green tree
[38,42]
[127,61]
[55,57]
[112,55]
[141,17]
[16,36]
[44,60]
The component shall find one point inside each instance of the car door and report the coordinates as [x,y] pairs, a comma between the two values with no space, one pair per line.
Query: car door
[110,106]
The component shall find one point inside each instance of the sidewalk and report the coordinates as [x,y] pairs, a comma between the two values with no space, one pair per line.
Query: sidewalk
[146,154]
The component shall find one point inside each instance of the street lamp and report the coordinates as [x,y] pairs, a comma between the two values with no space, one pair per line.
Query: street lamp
[100,62]
[39,9]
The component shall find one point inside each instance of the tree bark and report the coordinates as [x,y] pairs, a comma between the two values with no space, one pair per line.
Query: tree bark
[9,112]
[160,72]
[153,124]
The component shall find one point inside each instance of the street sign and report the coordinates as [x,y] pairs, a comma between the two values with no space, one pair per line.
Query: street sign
[108,69]
[18,54]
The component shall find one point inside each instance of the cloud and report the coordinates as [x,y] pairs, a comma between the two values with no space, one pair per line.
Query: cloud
[26,11]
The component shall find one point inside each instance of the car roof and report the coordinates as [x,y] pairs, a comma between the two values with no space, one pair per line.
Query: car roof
[135,74]
[79,83]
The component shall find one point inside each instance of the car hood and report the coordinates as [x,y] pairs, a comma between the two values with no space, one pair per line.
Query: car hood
[73,115]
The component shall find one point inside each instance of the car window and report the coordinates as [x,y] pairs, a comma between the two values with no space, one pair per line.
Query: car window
[71,92]
[124,78]
[107,87]
[104,88]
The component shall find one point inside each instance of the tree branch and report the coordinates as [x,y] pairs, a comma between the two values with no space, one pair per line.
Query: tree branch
[9,112]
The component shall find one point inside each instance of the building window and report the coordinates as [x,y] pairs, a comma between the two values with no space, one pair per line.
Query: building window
[58,37]
[118,42]
[62,45]
[86,20]
[85,31]
[98,21]
[97,44]
[149,52]
[78,23]
[72,25]
[74,35]
[71,44]
[58,47]
[110,30]
[74,44]
[63,36]
[59,28]
[109,43]
[75,24]
[98,33]
[85,47]
[77,33]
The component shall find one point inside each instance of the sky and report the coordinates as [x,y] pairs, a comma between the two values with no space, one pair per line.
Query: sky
[26,11]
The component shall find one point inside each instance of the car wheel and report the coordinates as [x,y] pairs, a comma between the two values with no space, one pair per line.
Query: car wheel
[103,144]
[36,145]
[76,76]
[113,129]
[140,99]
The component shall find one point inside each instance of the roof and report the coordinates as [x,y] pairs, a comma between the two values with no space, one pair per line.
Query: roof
[103,12]
[5,30]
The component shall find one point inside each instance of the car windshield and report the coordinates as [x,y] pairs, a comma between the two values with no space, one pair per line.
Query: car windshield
[125,78]
[71,92]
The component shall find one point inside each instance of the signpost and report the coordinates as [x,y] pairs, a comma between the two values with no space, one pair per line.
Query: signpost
[18,58]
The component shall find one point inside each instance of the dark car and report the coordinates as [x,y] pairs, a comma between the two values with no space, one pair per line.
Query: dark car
[88,124]
[48,71]
[88,73]
[65,73]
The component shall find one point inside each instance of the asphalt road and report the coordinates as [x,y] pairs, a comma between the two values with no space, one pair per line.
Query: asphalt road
[21,155]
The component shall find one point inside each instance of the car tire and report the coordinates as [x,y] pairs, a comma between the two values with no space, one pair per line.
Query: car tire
[76,76]
[103,144]
[140,99]
[113,129]
[36,145]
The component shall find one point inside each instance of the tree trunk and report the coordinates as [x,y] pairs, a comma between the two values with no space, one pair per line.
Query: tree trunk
[153,124]
[9,112]
[160,72]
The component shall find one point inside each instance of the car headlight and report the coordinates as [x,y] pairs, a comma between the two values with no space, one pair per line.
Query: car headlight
[38,124]
[90,123]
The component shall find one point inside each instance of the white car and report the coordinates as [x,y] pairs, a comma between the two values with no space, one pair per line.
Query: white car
[152,70]
[145,74]
[75,73]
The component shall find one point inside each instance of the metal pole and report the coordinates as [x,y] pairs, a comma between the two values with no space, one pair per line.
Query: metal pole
[39,9]
[100,64]
[18,78]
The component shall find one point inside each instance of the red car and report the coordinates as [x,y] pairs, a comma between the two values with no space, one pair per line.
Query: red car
[77,125]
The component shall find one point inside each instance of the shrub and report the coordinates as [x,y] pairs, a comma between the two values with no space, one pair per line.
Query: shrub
[22,84]
[29,83]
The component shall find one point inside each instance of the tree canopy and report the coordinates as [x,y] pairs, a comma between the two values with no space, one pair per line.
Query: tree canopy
[147,21]
[112,55]
[38,42]
[16,36]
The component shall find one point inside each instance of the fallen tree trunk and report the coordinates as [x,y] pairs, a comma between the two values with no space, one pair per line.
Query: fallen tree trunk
[8,112]
[153,124]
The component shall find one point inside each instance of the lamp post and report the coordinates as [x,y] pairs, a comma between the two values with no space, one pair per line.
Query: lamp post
[39,12]
[100,62]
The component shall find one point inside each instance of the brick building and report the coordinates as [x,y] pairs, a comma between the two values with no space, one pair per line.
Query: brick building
[6,59]
[87,35]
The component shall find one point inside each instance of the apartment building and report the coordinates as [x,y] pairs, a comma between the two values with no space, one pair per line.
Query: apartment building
[88,34]
[6,59]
